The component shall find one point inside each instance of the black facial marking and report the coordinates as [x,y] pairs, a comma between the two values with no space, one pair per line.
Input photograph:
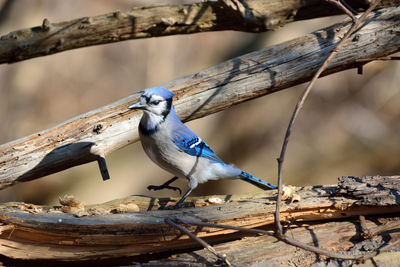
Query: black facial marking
[150,131]
[167,108]
[147,98]
[155,102]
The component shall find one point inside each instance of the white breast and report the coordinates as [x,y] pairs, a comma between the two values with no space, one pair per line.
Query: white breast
[160,148]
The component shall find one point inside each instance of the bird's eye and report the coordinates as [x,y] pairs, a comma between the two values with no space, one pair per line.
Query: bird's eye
[155,102]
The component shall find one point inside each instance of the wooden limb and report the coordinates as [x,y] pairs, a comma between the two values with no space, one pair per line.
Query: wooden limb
[33,232]
[162,20]
[279,231]
[100,132]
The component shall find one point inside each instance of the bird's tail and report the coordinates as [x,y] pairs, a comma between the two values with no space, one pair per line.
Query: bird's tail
[257,182]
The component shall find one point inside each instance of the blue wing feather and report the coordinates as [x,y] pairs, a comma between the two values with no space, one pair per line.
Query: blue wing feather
[196,147]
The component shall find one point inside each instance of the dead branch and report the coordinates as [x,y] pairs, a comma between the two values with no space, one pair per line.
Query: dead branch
[144,22]
[32,232]
[93,135]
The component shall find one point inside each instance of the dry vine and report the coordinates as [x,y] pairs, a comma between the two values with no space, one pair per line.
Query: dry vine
[279,231]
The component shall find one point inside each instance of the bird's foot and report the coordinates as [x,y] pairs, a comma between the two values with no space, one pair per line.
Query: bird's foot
[164,186]
[170,207]
[177,206]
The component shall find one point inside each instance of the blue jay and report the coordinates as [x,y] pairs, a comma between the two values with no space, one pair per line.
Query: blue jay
[176,149]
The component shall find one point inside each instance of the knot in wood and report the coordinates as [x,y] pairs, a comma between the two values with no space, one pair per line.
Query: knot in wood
[97,128]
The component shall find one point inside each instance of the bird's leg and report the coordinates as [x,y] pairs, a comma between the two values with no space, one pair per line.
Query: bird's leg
[180,202]
[166,185]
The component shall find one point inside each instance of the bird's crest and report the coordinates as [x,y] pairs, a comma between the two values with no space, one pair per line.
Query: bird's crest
[166,94]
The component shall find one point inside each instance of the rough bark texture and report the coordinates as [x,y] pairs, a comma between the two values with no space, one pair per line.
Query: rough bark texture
[95,134]
[266,251]
[370,190]
[144,22]
[32,232]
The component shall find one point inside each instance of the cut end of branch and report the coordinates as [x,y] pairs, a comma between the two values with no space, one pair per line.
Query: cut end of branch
[103,168]
[46,25]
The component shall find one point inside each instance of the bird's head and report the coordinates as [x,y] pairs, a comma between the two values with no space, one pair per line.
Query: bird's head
[157,101]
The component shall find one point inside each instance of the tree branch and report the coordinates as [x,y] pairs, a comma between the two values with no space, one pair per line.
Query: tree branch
[32,232]
[102,131]
[145,22]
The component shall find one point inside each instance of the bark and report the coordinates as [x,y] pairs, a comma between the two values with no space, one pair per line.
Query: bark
[32,232]
[266,251]
[145,22]
[93,135]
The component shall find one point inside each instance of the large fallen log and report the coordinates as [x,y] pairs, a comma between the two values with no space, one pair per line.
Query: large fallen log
[32,232]
[93,135]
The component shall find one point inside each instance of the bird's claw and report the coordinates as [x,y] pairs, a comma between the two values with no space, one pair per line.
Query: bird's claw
[170,207]
[160,187]
[178,206]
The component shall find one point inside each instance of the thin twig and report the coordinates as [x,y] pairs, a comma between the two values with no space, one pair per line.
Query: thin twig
[372,232]
[299,105]
[349,7]
[380,250]
[207,246]
[364,229]
[348,10]
[383,228]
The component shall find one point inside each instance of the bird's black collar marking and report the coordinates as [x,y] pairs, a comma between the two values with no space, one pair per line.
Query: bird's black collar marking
[145,131]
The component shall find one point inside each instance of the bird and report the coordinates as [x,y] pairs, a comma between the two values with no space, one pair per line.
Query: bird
[175,148]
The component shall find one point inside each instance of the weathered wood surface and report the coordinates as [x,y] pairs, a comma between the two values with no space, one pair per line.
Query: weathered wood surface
[266,251]
[371,190]
[97,133]
[33,232]
[144,22]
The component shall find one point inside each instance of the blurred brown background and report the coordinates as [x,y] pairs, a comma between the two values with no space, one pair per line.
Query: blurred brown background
[349,126]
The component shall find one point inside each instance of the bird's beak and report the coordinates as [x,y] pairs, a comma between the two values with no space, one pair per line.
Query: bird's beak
[137,105]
